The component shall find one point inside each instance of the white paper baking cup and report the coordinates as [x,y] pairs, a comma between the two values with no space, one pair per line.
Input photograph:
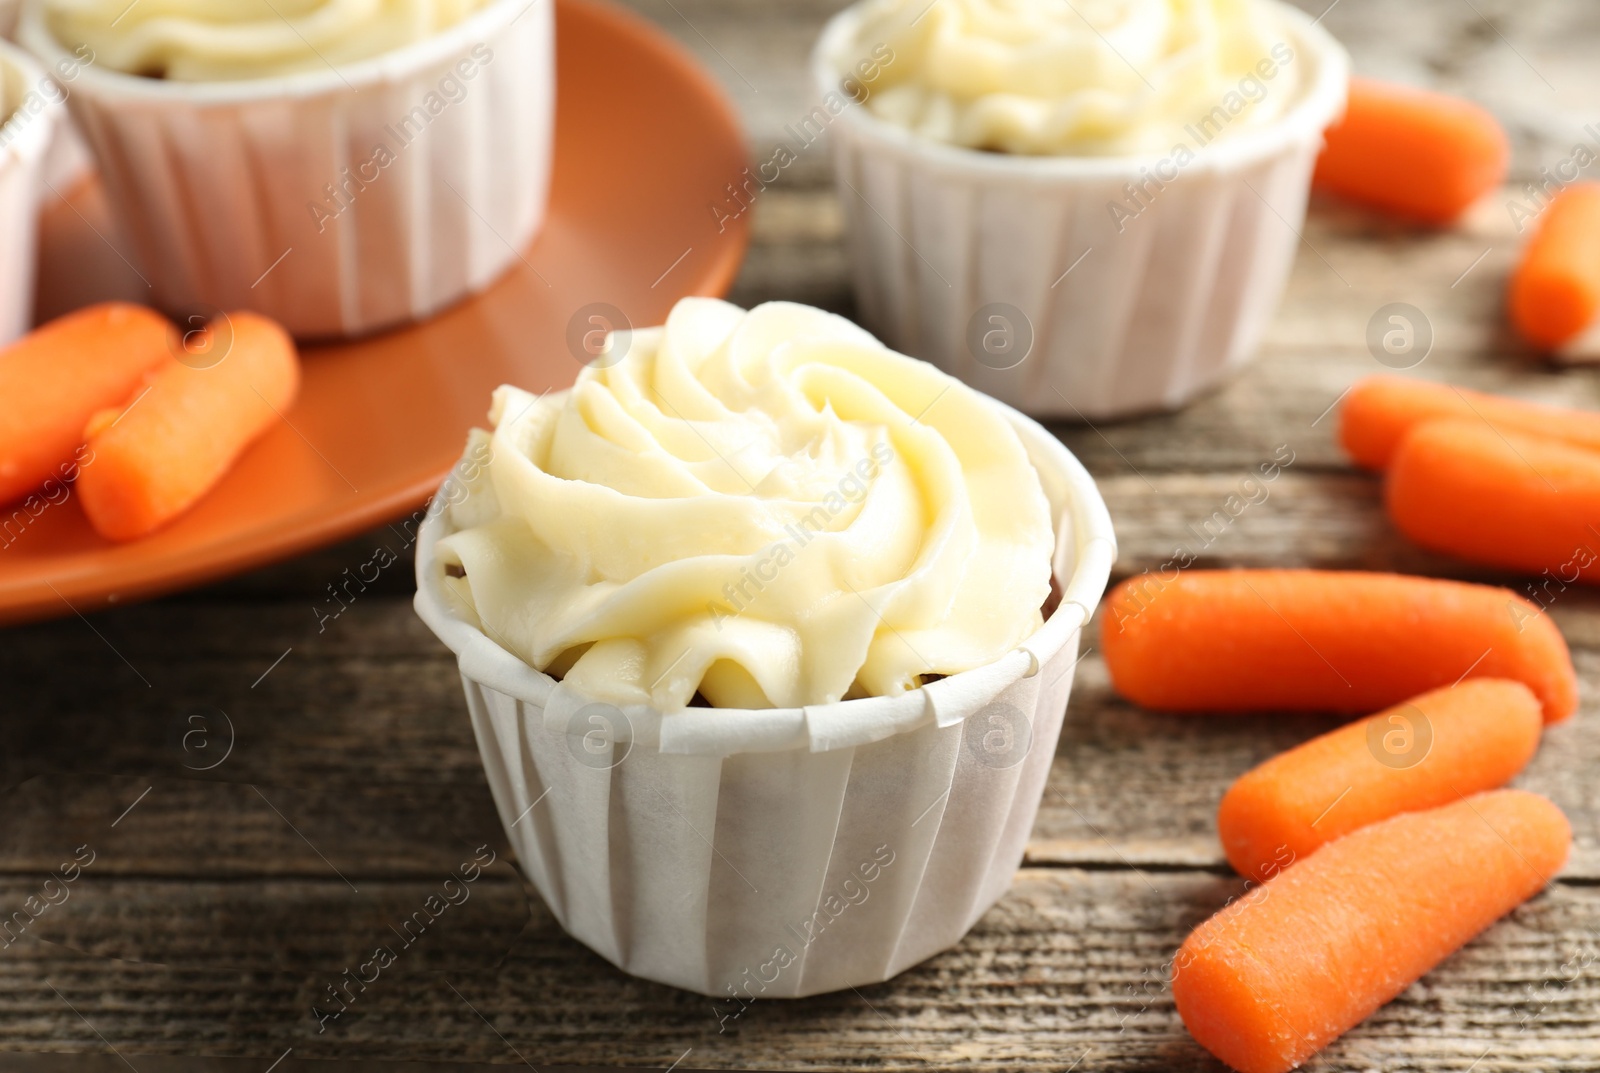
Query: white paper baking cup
[214,184]
[67,160]
[729,851]
[30,112]
[944,240]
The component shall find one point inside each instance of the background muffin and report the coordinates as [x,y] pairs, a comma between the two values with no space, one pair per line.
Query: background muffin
[342,169]
[29,112]
[1084,213]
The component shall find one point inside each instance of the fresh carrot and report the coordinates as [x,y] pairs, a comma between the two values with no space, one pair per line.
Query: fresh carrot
[1555,291]
[1316,640]
[1291,966]
[1429,751]
[155,458]
[1502,499]
[53,379]
[1418,154]
[1380,410]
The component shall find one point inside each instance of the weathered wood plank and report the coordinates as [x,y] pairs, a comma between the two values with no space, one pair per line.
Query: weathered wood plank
[1070,966]
[215,831]
[361,736]
[459,921]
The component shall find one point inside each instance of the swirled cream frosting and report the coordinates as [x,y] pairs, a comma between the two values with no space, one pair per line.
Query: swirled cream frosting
[225,40]
[769,509]
[1075,77]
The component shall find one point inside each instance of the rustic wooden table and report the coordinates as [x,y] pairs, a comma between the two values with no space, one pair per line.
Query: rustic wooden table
[215,916]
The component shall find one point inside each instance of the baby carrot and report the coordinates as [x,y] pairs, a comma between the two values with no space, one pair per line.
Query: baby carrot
[1555,291]
[53,379]
[1502,499]
[1429,751]
[1319,640]
[1380,410]
[1408,151]
[155,458]
[1291,966]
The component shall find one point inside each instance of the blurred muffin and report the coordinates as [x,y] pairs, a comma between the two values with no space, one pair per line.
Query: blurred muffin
[339,166]
[29,113]
[1084,210]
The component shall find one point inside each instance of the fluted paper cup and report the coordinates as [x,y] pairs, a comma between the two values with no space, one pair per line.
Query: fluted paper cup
[339,201]
[1014,274]
[779,853]
[28,115]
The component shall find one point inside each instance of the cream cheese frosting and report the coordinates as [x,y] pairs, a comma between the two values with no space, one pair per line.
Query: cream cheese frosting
[1079,77]
[225,40]
[769,509]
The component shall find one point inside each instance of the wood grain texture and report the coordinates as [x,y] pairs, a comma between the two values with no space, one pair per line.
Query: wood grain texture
[1069,967]
[234,910]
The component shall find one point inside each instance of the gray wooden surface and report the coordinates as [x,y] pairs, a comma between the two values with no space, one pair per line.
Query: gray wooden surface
[215,916]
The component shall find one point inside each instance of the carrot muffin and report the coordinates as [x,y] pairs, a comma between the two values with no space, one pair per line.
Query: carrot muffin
[339,165]
[228,40]
[749,624]
[1085,210]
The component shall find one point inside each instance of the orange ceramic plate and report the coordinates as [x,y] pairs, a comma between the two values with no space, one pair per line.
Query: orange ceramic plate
[645,141]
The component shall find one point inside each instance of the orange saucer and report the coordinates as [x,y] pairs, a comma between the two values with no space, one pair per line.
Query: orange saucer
[645,142]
